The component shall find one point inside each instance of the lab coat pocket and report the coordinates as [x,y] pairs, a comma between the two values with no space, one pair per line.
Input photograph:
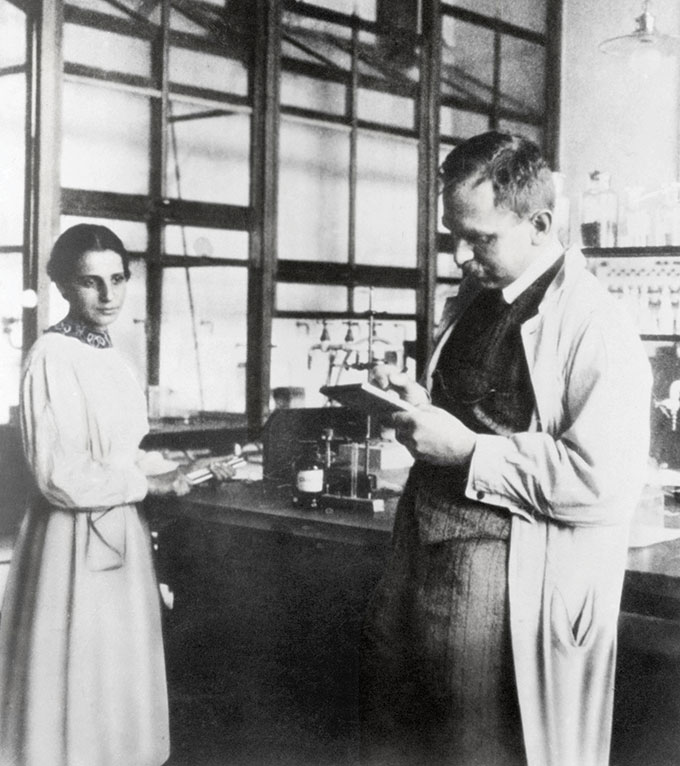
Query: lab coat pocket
[105,547]
[573,625]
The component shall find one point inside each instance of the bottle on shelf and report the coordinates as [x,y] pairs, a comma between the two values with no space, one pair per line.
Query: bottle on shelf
[599,212]
[308,478]
[669,214]
[634,221]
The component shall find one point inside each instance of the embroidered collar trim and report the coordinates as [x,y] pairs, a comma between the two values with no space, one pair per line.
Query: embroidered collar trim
[94,338]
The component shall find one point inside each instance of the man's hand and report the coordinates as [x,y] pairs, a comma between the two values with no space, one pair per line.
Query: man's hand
[388,377]
[434,436]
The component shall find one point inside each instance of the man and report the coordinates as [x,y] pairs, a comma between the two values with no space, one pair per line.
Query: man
[491,638]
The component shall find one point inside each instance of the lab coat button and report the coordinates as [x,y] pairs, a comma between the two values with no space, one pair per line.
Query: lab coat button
[480,495]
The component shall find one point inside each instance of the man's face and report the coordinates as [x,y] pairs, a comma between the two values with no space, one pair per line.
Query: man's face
[493,244]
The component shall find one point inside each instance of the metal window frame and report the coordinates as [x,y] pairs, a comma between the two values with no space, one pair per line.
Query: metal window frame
[45,200]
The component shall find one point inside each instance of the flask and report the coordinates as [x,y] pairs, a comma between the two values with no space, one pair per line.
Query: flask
[599,212]
[308,480]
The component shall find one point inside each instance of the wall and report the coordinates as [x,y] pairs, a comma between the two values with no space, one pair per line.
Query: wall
[615,117]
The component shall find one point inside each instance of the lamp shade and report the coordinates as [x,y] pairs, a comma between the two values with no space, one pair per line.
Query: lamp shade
[645,37]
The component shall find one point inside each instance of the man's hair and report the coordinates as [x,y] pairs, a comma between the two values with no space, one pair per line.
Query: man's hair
[522,181]
[78,240]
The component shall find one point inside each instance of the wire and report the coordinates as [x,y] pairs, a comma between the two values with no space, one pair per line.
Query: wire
[187,272]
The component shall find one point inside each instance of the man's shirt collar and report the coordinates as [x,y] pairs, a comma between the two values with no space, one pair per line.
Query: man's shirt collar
[533,271]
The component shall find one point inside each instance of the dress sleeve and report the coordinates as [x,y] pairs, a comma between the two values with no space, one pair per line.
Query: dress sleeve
[152,463]
[57,442]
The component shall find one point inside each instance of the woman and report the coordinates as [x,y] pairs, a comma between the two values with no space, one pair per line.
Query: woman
[82,675]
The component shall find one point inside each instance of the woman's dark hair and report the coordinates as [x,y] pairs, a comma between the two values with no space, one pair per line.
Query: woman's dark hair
[521,179]
[80,239]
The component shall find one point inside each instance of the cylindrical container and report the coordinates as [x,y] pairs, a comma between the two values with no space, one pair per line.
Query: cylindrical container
[634,222]
[599,212]
[308,479]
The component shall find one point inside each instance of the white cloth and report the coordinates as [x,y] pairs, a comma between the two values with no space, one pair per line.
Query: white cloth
[82,673]
[572,483]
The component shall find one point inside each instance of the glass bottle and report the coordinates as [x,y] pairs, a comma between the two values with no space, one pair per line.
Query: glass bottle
[599,212]
[634,221]
[308,479]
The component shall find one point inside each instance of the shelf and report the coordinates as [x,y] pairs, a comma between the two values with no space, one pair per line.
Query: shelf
[660,338]
[632,252]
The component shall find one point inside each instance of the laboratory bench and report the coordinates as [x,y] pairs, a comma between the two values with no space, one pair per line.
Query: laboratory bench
[264,629]
[268,602]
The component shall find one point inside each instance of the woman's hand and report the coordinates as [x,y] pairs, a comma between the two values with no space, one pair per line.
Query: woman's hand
[166,484]
[221,469]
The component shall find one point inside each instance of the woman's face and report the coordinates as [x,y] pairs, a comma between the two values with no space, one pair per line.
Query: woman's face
[96,291]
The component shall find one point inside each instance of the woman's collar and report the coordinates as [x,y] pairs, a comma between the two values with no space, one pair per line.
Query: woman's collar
[88,335]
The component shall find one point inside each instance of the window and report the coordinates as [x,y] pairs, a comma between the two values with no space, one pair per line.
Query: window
[12,164]
[494,60]
[161,154]
[272,176]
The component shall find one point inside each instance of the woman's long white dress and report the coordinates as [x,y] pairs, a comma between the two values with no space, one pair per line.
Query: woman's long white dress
[82,672]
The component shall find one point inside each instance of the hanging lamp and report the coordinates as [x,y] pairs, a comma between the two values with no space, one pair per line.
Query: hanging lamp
[644,38]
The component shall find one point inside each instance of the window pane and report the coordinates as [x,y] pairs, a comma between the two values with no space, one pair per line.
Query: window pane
[442,292]
[10,337]
[440,198]
[57,306]
[313,221]
[12,35]
[467,61]
[387,300]
[133,234]
[387,205]
[522,75]
[203,70]
[301,362]
[485,7]
[206,243]
[12,159]
[107,50]
[446,267]
[310,93]
[530,14]
[203,357]
[459,124]
[316,298]
[208,158]
[106,140]
[393,54]
[364,8]
[386,109]
[224,29]
[316,41]
[128,332]
[104,6]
